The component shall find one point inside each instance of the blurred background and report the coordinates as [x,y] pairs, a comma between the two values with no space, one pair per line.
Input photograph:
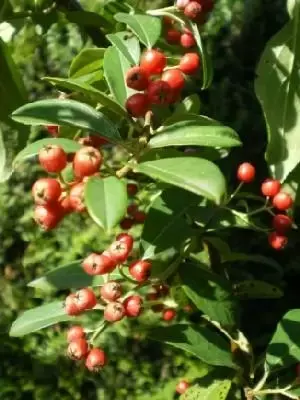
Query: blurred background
[35,367]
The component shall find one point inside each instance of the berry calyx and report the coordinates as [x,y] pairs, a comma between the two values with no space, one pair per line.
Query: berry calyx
[153,62]
[119,251]
[53,158]
[78,349]
[282,223]
[193,10]
[76,197]
[133,306]
[48,217]
[99,264]
[114,312]
[137,105]
[96,360]
[173,36]
[87,162]
[137,79]
[174,78]
[111,291]
[85,299]
[277,241]
[246,173]
[282,201]
[128,239]
[140,270]
[187,40]
[159,92]
[182,387]
[189,63]
[75,332]
[169,314]
[46,191]
[132,189]
[270,187]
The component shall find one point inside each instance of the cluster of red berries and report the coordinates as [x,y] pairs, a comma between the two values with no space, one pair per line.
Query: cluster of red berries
[281,201]
[156,294]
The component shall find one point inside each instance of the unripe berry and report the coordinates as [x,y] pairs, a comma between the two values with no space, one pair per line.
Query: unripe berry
[181,4]
[282,201]
[174,78]
[137,105]
[46,191]
[86,299]
[128,239]
[132,189]
[182,387]
[76,197]
[114,312]
[270,187]
[193,10]
[133,306]
[159,92]
[53,158]
[282,223]
[140,270]
[126,223]
[187,40]
[137,79]
[87,162]
[246,173]
[96,360]
[48,217]
[277,241]
[78,349]
[189,63]
[111,291]
[153,62]
[169,314]
[53,130]
[99,264]
[120,251]
[173,36]
[75,332]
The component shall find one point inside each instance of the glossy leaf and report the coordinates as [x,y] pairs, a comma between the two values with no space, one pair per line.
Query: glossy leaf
[146,28]
[257,290]
[39,318]
[276,87]
[190,133]
[66,112]
[32,150]
[200,341]
[87,64]
[106,201]
[200,120]
[283,349]
[210,294]
[115,68]
[90,91]
[69,276]
[128,45]
[218,390]
[196,175]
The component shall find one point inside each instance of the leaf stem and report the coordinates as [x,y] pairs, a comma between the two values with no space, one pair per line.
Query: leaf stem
[126,277]
[232,196]
[97,332]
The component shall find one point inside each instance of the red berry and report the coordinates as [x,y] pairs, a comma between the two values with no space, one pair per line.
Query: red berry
[277,241]
[137,105]
[77,197]
[126,223]
[246,172]
[75,332]
[96,360]
[270,187]
[140,270]
[131,209]
[78,349]
[48,217]
[174,78]
[128,239]
[182,387]
[99,264]
[282,201]
[282,223]
[169,314]
[87,162]
[111,291]
[46,191]
[298,370]
[153,62]
[207,5]
[114,312]
[181,4]
[187,40]
[173,36]
[71,306]
[193,10]
[168,21]
[120,251]
[133,306]
[137,79]
[86,299]
[189,63]
[132,189]
[159,92]
[93,141]
[53,130]
[140,217]
[53,158]
[65,204]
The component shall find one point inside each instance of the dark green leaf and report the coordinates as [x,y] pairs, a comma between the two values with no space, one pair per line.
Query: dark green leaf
[87,65]
[196,175]
[257,290]
[128,45]
[106,201]
[146,28]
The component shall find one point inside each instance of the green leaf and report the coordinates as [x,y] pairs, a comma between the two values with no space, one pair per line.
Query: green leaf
[39,318]
[276,87]
[106,201]
[66,112]
[253,289]
[218,390]
[128,45]
[283,349]
[210,293]
[90,91]
[196,175]
[190,104]
[190,133]
[32,150]
[255,258]
[115,69]
[146,28]
[87,64]
[200,341]
[201,120]
[69,276]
